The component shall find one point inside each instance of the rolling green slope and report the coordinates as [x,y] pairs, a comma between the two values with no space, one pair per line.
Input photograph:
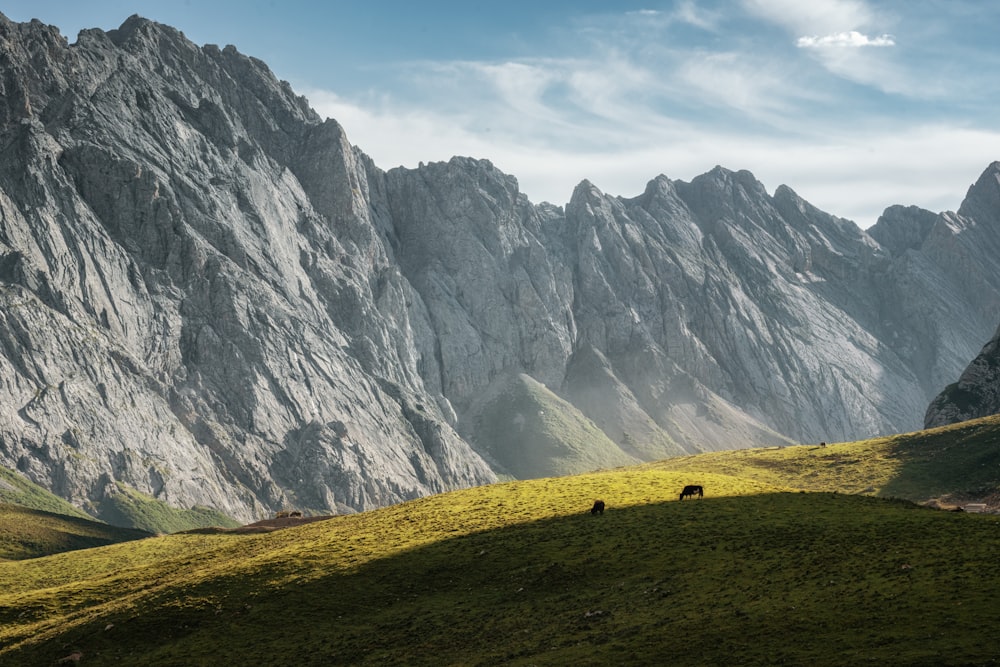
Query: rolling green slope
[18,490]
[30,533]
[953,464]
[526,430]
[127,508]
[771,567]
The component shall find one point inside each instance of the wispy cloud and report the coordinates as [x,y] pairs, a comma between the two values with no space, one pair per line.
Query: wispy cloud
[754,86]
[686,12]
[850,39]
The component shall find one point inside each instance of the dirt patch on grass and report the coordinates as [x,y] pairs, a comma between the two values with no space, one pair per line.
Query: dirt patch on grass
[957,501]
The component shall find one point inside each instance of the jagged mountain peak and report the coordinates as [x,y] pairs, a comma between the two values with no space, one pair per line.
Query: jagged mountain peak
[660,193]
[724,195]
[721,178]
[586,189]
[136,27]
[902,228]
[982,201]
[475,170]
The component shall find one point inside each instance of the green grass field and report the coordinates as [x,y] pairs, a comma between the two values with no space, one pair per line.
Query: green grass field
[799,556]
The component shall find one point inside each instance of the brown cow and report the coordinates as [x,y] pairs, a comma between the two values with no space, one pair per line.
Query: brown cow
[598,507]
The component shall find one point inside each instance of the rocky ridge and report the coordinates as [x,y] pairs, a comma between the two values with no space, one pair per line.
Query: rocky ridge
[209,295]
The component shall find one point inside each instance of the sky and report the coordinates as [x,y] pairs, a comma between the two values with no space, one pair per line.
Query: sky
[854,104]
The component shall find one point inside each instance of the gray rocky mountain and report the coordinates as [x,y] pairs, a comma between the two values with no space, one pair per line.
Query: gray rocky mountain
[209,295]
[976,394]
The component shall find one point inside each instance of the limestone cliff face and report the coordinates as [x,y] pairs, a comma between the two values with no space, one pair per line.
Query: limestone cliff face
[698,315]
[194,295]
[208,294]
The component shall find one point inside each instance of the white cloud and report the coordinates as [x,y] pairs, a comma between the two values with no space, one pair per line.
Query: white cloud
[852,39]
[836,34]
[823,17]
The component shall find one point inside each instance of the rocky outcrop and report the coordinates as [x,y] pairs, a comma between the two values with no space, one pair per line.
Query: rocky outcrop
[976,394]
[209,295]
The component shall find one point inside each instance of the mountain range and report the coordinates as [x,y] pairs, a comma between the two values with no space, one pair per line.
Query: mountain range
[210,296]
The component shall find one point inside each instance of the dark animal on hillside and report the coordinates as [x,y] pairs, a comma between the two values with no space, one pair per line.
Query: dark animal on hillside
[692,490]
[598,507]
[295,514]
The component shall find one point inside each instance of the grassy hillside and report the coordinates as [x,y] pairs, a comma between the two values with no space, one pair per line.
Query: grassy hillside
[769,568]
[528,431]
[128,508]
[31,533]
[952,464]
[131,508]
[18,490]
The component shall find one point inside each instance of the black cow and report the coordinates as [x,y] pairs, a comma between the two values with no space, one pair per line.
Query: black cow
[598,507]
[692,490]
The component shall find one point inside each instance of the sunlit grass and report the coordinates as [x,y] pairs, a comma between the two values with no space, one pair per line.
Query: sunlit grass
[955,462]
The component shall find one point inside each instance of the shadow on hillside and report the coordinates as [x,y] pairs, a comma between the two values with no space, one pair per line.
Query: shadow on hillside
[954,464]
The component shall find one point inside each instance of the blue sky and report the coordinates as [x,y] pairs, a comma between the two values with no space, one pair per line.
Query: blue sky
[855,104]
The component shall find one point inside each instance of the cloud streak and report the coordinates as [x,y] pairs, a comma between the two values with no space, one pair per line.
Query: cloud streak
[850,39]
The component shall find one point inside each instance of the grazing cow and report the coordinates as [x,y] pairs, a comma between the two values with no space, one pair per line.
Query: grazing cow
[598,507]
[692,490]
[295,515]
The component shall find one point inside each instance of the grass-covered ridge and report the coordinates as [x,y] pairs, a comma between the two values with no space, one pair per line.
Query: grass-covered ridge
[18,490]
[30,533]
[129,507]
[769,568]
[953,464]
[528,431]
